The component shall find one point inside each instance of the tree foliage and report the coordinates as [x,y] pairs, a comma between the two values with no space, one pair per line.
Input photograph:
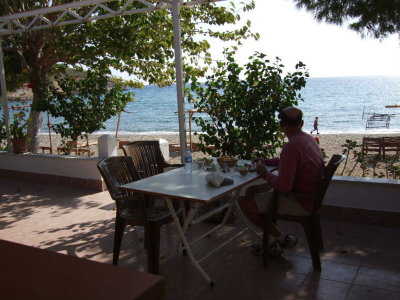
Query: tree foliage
[243,102]
[19,124]
[139,44]
[377,18]
[84,104]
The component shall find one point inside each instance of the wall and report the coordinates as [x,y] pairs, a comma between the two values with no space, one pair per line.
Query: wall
[363,200]
[57,169]
[350,199]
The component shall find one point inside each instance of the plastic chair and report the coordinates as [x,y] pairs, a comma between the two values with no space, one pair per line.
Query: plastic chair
[147,157]
[149,161]
[311,224]
[132,208]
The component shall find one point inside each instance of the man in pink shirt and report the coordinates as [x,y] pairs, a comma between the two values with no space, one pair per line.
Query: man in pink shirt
[301,167]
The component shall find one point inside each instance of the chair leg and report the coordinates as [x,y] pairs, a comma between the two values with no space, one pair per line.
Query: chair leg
[118,233]
[182,222]
[153,250]
[318,233]
[312,244]
[146,237]
[266,232]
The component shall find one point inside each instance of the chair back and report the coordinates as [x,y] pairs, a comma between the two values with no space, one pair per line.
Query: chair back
[147,157]
[391,142]
[117,171]
[372,141]
[330,170]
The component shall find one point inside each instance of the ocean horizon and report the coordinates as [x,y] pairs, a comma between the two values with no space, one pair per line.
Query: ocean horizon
[342,105]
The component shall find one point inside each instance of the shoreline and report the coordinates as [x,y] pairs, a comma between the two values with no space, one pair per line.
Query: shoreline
[330,143]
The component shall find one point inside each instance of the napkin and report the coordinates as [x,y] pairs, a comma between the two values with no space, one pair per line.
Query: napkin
[217,179]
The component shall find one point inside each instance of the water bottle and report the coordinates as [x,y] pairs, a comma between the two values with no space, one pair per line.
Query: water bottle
[214,165]
[188,161]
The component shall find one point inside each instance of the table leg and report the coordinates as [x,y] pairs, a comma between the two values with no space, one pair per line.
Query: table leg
[192,212]
[249,226]
[233,202]
[182,236]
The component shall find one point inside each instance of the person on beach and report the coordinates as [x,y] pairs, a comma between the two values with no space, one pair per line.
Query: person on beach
[315,126]
[301,167]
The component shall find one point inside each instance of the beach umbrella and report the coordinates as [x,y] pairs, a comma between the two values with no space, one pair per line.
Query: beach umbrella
[48,127]
[119,121]
[190,113]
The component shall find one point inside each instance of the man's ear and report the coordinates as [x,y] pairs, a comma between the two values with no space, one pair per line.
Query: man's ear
[302,123]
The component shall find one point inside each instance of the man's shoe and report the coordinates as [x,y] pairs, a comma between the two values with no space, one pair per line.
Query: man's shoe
[288,242]
[274,249]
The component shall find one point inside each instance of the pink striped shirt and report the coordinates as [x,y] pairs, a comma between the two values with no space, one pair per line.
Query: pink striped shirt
[301,168]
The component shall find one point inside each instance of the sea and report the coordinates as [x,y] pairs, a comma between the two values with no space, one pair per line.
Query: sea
[342,104]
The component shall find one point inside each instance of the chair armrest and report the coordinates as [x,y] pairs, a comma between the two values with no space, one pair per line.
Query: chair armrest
[141,174]
[175,165]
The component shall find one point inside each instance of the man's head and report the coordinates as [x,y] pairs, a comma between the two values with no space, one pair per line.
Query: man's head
[291,120]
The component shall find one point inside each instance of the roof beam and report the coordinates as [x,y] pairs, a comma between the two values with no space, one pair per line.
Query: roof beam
[67,14]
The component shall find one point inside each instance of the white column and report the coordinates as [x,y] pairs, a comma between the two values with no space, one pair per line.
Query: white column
[4,96]
[164,147]
[107,145]
[179,75]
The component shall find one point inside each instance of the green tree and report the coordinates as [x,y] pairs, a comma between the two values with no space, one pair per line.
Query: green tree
[83,104]
[139,44]
[377,18]
[243,102]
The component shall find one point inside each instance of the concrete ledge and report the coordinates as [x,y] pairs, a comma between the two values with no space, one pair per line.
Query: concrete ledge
[349,199]
[364,193]
[361,216]
[373,201]
[54,169]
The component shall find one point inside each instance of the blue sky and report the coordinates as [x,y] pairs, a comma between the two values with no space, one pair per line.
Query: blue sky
[327,50]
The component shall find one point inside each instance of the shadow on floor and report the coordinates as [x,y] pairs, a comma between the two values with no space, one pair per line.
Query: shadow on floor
[359,261]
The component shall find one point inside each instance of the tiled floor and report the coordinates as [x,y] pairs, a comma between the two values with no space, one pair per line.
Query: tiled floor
[359,261]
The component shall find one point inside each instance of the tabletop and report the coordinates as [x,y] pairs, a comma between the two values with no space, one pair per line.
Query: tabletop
[190,187]
[38,274]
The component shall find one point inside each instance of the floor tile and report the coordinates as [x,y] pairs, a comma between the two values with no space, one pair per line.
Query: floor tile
[338,271]
[317,288]
[380,279]
[81,223]
[366,293]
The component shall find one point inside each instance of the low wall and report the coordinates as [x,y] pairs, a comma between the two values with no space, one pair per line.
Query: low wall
[55,169]
[349,199]
[359,200]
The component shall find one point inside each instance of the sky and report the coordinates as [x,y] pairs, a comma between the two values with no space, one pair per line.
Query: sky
[327,50]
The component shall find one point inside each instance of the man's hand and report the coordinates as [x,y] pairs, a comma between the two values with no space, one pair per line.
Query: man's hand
[262,169]
[258,159]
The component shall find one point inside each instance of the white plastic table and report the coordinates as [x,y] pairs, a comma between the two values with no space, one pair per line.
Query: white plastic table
[176,184]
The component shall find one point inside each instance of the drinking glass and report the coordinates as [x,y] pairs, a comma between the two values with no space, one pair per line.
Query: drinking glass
[199,164]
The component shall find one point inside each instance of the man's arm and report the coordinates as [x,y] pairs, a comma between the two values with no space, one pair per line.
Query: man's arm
[287,171]
[271,161]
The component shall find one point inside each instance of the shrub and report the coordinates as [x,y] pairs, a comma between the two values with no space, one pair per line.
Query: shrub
[242,103]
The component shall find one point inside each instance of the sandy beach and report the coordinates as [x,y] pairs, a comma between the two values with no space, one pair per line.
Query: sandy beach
[331,143]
